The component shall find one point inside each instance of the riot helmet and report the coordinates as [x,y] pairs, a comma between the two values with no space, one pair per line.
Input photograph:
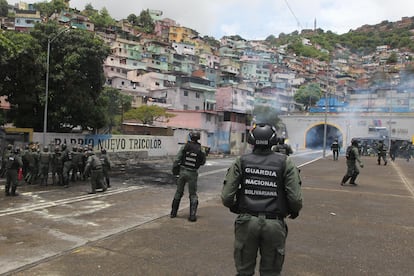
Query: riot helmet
[45,149]
[17,150]
[355,142]
[103,151]
[263,135]
[195,135]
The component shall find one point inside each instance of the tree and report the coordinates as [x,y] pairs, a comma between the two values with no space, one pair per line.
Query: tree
[75,80]
[102,19]
[145,22]
[308,95]
[392,59]
[21,68]
[133,19]
[89,10]
[48,8]
[4,8]
[147,114]
[117,105]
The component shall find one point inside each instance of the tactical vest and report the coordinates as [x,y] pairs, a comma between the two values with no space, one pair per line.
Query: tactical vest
[262,189]
[350,153]
[11,162]
[192,156]
[44,158]
[96,163]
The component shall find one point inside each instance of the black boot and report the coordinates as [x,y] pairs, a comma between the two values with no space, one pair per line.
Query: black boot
[353,178]
[193,210]
[174,207]
[13,191]
[344,180]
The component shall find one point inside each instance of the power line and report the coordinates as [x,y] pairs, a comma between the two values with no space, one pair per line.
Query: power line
[291,11]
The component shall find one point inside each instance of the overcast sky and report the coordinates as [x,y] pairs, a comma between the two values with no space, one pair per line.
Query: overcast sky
[257,19]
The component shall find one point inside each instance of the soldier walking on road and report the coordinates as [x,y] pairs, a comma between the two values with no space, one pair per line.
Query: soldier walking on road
[13,164]
[262,187]
[94,167]
[335,149]
[106,165]
[382,153]
[393,150]
[189,159]
[352,156]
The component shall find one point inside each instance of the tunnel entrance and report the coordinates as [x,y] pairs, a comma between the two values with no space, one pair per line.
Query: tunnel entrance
[314,136]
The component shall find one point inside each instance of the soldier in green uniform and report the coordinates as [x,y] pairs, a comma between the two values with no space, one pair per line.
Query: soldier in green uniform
[262,187]
[282,147]
[57,167]
[352,156]
[94,167]
[189,159]
[67,164]
[382,153]
[335,148]
[45,159]
[106,166]
[7,151]
[13,163]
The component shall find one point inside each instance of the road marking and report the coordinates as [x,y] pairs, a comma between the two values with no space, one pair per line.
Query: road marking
[37,206]
[404,179]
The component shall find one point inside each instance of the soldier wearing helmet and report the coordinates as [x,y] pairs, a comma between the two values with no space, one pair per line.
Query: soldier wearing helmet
[45,160]
[106,166]
[262,187]
[352,157]
[57,166]
[13,164]
[186,164]
[94,167]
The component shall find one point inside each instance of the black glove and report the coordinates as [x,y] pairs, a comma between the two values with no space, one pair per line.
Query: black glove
[293,215]
[176,170]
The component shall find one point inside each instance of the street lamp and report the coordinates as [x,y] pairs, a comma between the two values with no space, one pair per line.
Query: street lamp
[49,41]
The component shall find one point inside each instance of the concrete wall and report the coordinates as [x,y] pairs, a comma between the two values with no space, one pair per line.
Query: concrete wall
[144,146]
[349,125]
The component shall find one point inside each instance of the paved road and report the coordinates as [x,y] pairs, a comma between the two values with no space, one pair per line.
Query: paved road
[362,230]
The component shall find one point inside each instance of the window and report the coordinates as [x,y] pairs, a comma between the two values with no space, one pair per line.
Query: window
[185,93]
[185,107]
[197,108]
[197,95]
[227,116]
[208,118]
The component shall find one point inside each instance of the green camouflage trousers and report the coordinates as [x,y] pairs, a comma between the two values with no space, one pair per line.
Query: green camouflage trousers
[190,177]
[258,233]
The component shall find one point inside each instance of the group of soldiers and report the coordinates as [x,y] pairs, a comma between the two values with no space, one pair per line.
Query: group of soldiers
[65,165]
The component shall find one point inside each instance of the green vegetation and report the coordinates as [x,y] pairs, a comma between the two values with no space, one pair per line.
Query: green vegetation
[363,41]
[75,81]
[147,114]
[308,95]
[143,22]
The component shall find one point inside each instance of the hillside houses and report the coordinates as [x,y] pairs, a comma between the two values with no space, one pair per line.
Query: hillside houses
[215,89]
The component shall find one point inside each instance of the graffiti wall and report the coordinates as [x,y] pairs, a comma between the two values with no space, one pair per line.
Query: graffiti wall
[153,145]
